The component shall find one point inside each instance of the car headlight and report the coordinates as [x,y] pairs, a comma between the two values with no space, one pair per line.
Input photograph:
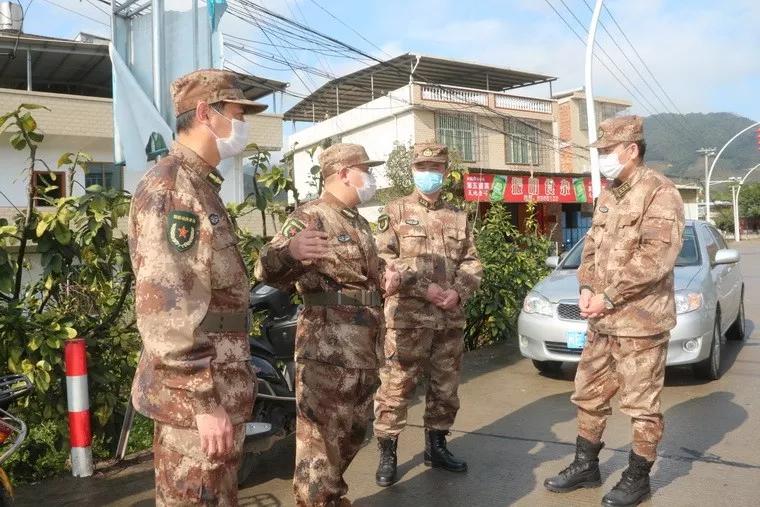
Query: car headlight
[688,302]
[536,303]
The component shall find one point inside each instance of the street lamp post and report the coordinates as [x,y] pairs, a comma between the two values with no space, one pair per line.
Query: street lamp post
[712,168]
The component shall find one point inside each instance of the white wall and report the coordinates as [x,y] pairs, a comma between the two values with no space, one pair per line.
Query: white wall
[13,177]
[377,138]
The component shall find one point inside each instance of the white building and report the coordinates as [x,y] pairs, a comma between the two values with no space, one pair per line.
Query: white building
[72,78]
[520,144]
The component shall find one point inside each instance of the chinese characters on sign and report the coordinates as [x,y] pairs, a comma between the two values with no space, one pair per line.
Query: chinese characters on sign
[502,188]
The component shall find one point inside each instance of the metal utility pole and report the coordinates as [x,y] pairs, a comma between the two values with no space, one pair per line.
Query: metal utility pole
[707,152]
[735,187]
[596,181]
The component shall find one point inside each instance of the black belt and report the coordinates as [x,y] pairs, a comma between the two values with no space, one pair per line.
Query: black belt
[216,322]
[343,297]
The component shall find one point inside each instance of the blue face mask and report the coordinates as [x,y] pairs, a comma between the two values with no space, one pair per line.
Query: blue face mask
[428,182]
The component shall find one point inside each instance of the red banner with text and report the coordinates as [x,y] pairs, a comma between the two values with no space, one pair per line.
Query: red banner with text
[508,188]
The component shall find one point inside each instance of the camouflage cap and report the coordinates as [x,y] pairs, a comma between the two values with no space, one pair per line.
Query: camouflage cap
[211,86]
[622,129]
[341,155]
[430,152]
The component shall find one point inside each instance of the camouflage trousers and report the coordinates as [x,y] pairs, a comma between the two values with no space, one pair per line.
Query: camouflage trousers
[636,368]
[333,406]
[186,476]
[408,354]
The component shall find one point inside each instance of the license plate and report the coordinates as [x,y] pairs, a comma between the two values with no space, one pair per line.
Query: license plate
[575,339]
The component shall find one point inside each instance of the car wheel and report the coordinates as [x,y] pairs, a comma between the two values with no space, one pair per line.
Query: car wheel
[738,330]
[709,369]
[547,366]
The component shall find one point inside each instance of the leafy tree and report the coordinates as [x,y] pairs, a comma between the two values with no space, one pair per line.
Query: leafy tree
[749,201]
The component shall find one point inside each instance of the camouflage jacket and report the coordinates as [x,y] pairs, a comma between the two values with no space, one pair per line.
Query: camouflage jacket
[341,335]
[192,295]
[428,243]
[630,253]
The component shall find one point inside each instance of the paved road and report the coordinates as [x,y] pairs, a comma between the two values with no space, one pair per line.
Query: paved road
[517,427]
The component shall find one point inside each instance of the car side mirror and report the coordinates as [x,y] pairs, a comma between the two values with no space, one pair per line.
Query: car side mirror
[552,262]
[726,256]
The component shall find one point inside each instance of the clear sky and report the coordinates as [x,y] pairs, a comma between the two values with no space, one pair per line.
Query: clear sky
[706,54]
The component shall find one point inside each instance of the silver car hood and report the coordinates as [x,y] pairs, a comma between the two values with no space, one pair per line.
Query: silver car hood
[563,283]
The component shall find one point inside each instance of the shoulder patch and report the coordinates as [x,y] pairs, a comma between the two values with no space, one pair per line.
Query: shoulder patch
[291,227]
[383,222]
[182,229]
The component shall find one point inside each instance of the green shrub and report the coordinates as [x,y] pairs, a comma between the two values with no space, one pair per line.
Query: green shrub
[513,262]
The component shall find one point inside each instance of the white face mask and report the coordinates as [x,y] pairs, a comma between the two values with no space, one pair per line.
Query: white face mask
[367,191]
[610,166]
[235,143]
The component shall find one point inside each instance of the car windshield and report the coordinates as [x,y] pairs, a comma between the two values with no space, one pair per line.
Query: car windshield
[689,255]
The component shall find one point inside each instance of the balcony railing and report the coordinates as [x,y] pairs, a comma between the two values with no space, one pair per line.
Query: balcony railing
[523,104]
[457,95]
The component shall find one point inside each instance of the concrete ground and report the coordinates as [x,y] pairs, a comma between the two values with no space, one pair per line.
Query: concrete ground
[516,427]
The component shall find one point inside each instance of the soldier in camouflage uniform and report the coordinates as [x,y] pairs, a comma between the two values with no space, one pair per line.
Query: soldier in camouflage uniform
[626,285]
[193,379]
[431,246]
[327,249]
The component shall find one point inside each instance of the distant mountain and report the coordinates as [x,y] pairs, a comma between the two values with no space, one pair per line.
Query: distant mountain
[673,141]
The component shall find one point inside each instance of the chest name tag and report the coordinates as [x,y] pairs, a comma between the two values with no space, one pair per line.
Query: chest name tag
[412,221]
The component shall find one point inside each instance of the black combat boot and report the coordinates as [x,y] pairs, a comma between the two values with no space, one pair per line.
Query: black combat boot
[386,469]
[437,455]
[582,473]
[633,487]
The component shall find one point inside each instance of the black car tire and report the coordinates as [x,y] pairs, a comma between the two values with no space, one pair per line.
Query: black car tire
[710,368]
[738,330]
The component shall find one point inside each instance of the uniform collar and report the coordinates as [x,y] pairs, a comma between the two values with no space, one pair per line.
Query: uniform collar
[427,204]
[350,213]
[620,188]
[195,163]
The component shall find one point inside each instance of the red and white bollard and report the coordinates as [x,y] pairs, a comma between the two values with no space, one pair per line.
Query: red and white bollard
[77,394]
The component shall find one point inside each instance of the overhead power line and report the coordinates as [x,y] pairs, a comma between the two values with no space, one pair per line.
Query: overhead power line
[330,41]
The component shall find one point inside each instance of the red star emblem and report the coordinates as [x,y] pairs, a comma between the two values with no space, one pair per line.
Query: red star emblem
[182,232]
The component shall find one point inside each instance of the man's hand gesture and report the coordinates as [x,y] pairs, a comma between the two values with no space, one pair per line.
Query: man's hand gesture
[309,244]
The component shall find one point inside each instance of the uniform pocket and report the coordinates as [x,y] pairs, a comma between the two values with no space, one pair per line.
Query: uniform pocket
[455,243]
[413,241]
[658,226]
[627,234]
[226,263]
[347,250]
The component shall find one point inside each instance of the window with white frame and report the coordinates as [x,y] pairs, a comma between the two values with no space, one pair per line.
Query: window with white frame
[523,142]
[458,132]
